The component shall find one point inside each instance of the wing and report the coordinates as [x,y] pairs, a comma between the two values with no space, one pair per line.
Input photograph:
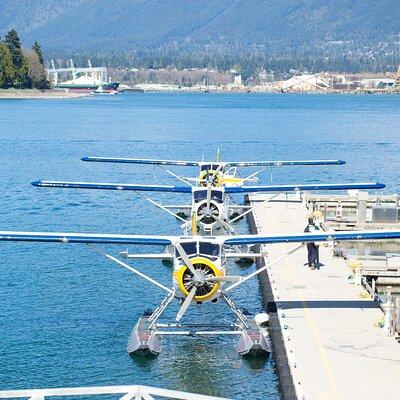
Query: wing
[140,161]
[13,236]
[312,237]
[282,163]
[113,186]
[314,186]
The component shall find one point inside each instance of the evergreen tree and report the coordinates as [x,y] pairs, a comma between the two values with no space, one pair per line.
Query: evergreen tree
[13,42]
[21,78]
[6,67]
[37,48]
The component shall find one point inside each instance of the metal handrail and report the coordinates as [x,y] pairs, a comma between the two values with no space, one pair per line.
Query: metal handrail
[128,392]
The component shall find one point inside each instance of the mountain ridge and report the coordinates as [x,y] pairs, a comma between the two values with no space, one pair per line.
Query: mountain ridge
[124,24]
[204,28]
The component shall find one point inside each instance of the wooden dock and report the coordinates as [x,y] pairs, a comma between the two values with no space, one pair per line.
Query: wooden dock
[331,338]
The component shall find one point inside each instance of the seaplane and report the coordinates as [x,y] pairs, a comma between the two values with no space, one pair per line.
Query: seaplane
[199,261]
[199,276]
[211,210]
[218,173]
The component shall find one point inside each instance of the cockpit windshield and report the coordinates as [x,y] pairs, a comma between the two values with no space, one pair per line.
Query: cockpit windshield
[200,195]
[205,248]
[210,167]
[189,247]
[209,249]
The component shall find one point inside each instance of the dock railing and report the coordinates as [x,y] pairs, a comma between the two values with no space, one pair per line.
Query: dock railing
[128,392]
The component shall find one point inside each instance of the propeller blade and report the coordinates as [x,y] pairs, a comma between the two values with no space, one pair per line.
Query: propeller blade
[223,223]
[185,258]
[186,224]
[208,196]
[231,278]
[185,305]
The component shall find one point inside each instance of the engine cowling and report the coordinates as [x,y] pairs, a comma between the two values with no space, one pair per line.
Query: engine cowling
[205,269]
[213,177]
[205,215]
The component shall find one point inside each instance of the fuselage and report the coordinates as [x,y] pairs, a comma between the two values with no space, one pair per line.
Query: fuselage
[208,261]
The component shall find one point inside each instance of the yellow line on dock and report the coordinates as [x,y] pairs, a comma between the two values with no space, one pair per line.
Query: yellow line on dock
[313,328]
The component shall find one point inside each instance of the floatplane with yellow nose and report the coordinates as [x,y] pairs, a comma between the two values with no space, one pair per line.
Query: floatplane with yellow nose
[199,276]
[218,173]
[211,210]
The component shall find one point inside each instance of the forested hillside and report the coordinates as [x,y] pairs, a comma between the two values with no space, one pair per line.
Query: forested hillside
[306,33]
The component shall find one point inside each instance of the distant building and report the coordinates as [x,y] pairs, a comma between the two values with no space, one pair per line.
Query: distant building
[237,80]
[237,83]
[378,83]
[302,83]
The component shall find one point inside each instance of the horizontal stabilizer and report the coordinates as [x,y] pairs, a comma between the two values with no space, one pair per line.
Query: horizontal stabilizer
[312,237]
[283,163]
[11,236]
[141,161]
[313,186]
[113,186]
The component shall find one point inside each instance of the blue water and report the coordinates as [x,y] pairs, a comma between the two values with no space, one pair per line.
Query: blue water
[66,312]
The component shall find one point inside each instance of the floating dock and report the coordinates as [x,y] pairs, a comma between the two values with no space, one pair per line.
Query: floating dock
[324,328]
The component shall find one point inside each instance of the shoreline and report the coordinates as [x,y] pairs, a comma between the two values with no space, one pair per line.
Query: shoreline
[26,94]
[255,90]
[51,94]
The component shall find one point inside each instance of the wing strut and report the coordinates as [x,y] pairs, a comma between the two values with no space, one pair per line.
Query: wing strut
[165,209]
[128,267]
[253,208]
[266,266]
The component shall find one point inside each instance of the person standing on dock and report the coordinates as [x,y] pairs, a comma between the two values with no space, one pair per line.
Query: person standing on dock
[312,248]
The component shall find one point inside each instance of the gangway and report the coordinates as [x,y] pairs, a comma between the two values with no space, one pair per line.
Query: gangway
[127,392]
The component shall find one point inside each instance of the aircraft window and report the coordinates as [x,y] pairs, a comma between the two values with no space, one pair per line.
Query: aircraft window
[209,167]
[189,247]
[216,195]
[200,195]
[210,249]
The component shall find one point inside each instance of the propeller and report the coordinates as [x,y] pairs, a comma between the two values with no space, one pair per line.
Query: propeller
[211,177]
[212,214]
[198,280]
[207,210]
[185,305]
